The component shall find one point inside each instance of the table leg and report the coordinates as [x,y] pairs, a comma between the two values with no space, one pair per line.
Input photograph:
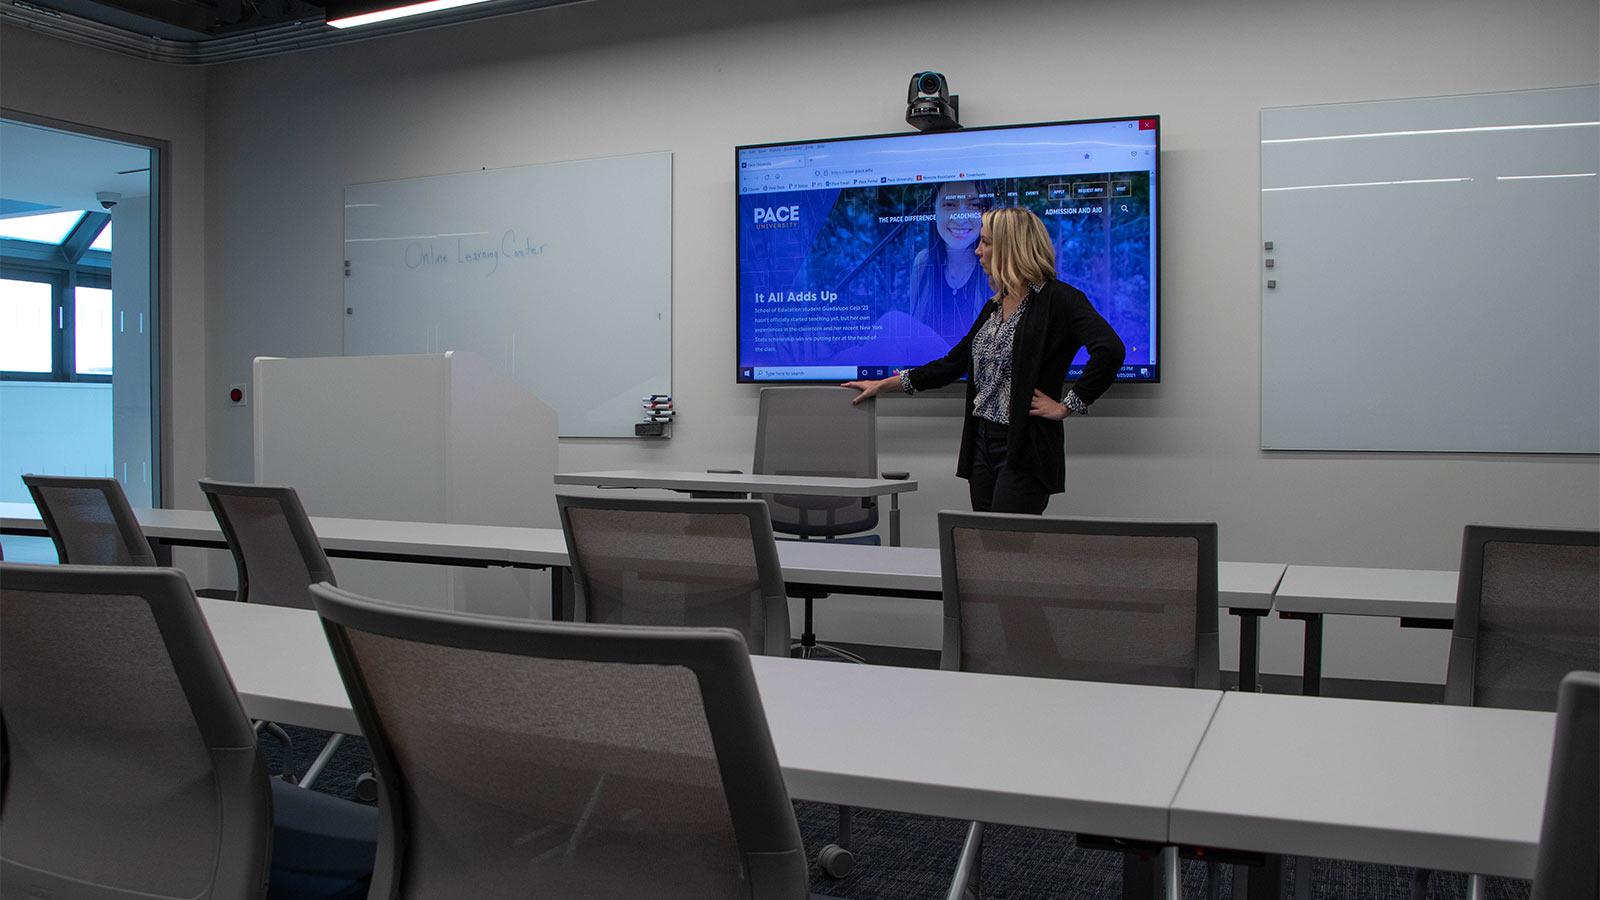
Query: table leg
[1311,666]
[560,594]
[1249,648]
[894,520]
[1311,676]
[1302,878]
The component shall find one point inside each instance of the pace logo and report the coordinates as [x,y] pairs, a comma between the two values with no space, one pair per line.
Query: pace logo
[777,216]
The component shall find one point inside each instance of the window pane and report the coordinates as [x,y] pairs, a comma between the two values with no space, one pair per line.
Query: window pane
[102,241]
[50,228]
[92,330]
[25,344]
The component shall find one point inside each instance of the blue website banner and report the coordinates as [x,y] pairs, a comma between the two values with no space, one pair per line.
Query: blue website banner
[853,262]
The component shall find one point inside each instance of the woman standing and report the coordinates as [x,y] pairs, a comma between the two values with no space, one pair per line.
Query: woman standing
[1017,354]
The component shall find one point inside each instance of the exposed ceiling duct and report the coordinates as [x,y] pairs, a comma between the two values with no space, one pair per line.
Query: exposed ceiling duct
[204,32]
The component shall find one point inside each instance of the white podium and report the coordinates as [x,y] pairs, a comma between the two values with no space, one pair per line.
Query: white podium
[427,438]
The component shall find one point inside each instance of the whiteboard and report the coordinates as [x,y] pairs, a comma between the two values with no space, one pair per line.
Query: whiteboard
[559,275]
[1436,278]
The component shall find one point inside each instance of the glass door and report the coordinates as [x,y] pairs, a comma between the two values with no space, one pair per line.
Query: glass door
[78,276]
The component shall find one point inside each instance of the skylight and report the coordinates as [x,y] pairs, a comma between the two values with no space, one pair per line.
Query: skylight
[102,241]
[49,228]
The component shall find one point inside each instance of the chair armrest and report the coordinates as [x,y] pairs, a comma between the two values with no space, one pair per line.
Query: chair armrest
[895,476]
[286,771]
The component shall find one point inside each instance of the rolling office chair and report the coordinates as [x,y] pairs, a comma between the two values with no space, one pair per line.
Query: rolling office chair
[90,521]
[816,431]
[527,758]
[695,563]
[1568,867]
[275,550]
[132,770]
[1087,599]
[278,557]
[1527,613]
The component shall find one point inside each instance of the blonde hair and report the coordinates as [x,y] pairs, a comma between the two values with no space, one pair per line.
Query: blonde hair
[1020,252]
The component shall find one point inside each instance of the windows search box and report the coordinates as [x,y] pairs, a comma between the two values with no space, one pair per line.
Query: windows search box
[806,373]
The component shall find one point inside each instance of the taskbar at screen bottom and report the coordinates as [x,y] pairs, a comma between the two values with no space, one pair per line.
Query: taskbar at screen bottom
[813,374]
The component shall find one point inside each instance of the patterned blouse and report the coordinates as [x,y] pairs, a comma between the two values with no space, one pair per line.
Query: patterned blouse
[991,367]
[991,364]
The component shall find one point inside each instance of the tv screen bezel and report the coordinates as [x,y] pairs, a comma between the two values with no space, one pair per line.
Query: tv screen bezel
[1155,263]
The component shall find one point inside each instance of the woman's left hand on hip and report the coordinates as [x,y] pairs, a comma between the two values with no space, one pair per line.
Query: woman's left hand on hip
[1042,405]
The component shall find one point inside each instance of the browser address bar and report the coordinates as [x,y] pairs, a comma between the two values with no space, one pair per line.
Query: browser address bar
[787,162]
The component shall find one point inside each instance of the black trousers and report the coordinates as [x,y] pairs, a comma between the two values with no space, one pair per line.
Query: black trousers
[996,487]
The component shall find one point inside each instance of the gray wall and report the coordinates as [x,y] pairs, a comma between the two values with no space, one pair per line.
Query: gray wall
[286,134]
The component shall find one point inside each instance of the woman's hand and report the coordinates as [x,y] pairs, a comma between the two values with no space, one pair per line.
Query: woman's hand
[1042,405]
[870,388]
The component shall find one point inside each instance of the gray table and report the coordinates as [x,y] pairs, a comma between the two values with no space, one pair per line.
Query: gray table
[1106,759]
[1453,788]
[1244,589]
[739,483]
[1419,598]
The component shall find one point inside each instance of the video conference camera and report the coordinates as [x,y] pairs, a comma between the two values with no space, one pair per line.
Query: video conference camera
[929,104]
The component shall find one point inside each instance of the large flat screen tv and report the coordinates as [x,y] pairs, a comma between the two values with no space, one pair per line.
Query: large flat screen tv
[856,255]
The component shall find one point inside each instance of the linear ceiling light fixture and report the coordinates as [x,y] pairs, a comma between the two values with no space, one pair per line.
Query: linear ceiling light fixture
[272,40]
[351,15]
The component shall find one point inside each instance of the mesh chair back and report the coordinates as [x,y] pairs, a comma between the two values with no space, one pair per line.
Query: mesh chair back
[90,521]
[1096,600]
[816,431]
[521,758]
[1527,613]
[1568,865]
[677,562]
[275,550]
[133,771]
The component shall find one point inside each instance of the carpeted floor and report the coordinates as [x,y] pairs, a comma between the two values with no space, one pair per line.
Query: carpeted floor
[912,857]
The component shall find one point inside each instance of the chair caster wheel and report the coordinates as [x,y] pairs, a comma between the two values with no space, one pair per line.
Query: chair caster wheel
[836,861]
[367,788]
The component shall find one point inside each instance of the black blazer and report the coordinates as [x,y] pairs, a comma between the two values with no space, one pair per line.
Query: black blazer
[1059,319]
